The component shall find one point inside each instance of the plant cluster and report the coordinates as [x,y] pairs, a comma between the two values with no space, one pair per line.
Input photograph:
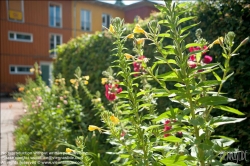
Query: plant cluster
[181,135]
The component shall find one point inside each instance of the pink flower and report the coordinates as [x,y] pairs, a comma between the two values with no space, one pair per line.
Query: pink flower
[123,133]
[207,59]
[137,65]
[65,102]
[167,127]
[192,64]
[192,49]
[192,57]
[111,91]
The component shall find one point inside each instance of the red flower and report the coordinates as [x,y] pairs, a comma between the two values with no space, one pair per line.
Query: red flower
[192,57]
[137,65]
[192,64]
[192,49]
[111,91]
[207,59]
[167,127]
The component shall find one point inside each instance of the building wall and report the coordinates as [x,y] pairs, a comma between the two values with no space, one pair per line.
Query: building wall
[142,11]
[96,16]
[36,22]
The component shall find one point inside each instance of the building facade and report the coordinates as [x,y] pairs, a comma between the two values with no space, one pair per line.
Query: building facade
[29,29]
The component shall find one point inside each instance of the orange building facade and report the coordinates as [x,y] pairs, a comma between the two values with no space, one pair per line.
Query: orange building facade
[29,29]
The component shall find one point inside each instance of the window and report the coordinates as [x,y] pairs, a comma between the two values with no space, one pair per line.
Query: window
[106,18]
[19,36]
[55,15]
[54,41]
[85,20]
[15,10]
[14,69]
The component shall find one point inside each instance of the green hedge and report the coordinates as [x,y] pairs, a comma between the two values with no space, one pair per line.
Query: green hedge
[92,54]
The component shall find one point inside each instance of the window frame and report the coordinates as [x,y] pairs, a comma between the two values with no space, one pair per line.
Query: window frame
[90,20]
[22,7]
[61,16]
[20,73]
[20,40]
[107,24]
[53,55]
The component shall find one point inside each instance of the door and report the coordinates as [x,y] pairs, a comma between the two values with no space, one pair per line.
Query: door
[46,72]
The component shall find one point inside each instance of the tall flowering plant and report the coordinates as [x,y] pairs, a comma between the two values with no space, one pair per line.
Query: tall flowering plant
[181,135]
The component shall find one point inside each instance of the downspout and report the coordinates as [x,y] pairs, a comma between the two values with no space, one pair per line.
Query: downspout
[74,18]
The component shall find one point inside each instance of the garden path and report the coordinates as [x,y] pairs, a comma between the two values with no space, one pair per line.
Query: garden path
[11,111]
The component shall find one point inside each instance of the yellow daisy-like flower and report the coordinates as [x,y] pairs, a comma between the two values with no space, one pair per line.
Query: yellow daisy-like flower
[128,56]
[86,77]
[93,128]
[104,80]
[86,82]
[19,99]
[73,81]
[111,28]
[140,41]
[68,150]
[114,119]
[32,70]
[130,36]
[138,29]
[21,89]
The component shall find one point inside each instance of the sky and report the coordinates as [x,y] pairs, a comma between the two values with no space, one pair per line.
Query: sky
[128,2]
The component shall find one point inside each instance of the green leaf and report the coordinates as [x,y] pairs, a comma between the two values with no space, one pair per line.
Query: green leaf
[193,45]
[166,114]
[216,76]
[214,100]
[160,93]
[176,160]
[187,28]
[171,139]
[169,76]
[208,83]
[185,19]
[221,120]
[229,109]
[164,35]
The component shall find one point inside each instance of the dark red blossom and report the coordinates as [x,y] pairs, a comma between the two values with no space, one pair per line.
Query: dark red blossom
[111,91]
[138,65]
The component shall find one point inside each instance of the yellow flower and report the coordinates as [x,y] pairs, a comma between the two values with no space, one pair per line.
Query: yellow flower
[92,128]
[32,70]
[73,81]
[21,89]
[19,99]
[86,82]
[128,56]
[111,28]
[104,80]
[86,77]
[68,150]
[140,41]
[138,29]
[218,41]
[130,36]
[114,119]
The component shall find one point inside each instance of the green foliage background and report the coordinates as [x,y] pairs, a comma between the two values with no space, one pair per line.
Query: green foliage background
[92,53]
